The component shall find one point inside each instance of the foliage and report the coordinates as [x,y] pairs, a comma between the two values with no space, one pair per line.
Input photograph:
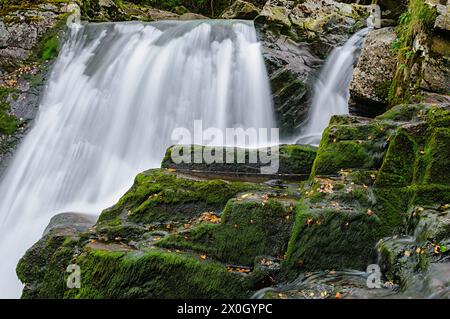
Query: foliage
[8,123]
[415,21]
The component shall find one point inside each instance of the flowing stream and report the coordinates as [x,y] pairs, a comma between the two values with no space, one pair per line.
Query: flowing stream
[114,96]
[331,90]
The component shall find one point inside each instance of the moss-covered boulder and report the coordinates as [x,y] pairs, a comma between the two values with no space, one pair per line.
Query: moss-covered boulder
[160,198]
[416,260]
[170,236]
[118,271]
[253,225]
[366,177]
[294,160]
[352,143]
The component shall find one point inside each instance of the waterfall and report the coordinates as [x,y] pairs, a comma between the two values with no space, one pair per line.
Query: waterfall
[331,90]
[115,94]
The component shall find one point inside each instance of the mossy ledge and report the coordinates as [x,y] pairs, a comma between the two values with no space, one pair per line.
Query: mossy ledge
[365,179]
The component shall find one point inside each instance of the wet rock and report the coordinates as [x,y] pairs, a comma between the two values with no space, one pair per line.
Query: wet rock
[418,260]
[70,223]
[442,22]
[20,32]
[290,160]
[373,74]
[364,184]
[241,10]
[291,67]
[296,38]
[183,244]
[422,52]
[102,10]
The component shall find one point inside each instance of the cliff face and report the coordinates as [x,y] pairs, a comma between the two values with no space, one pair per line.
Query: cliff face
[408,63]
[381,177]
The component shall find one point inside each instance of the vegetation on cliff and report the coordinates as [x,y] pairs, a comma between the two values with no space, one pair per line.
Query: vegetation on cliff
[414,23]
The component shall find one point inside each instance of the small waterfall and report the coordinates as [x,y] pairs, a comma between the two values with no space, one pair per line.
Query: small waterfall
[331,91]
[114,96]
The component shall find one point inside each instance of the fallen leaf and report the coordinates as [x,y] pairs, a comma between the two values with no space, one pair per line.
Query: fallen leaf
[338,295]
[210,217]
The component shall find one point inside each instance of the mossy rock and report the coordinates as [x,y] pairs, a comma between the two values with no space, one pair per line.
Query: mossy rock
[398,166]
[347,145]
[154,274]
[249,228]
[437,154]
[111,273]
[330,239]
[160,196]
[404,113]
[410,258]
[292,159]
[43,267]
[9,124]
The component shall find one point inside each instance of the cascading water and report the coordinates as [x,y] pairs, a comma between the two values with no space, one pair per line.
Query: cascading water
[113,98]
[331,91]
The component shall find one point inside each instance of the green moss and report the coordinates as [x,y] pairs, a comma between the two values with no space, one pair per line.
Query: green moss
[8,123]
[415,21]
[200,239]
[438,117]
[248,229]
[50,49]
[251,229]
[429,194]
[206,7]
[296,159]
[333,156]
[154,274]
[293,159]
[398,166]
[382,91]
[327,239]
[403,113]
[45,266]
[352,143]
[437,157]
[391,206]
[161,196]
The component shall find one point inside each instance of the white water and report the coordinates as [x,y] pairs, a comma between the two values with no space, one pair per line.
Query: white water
[113,98]
[331,90]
